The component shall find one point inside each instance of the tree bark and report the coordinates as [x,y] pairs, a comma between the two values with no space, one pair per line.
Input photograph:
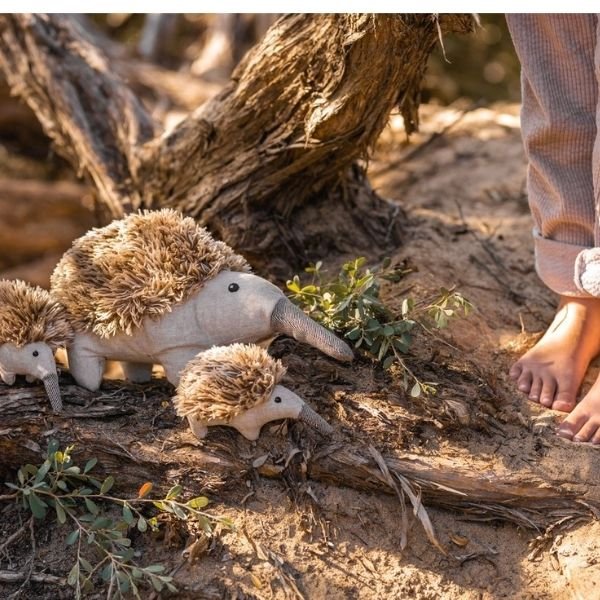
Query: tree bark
[136,436]
[279,141]
[92,117]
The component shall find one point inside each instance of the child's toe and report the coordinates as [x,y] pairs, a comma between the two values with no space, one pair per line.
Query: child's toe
[524,382]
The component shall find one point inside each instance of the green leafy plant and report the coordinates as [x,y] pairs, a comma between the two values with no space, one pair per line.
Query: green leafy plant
[101,540]
[349,304]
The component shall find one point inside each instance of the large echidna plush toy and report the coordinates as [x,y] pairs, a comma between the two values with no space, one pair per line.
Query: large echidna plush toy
[32,327]
[238,385]
[156,288]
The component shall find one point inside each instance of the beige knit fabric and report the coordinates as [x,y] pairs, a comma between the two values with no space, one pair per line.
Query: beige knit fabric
[558,54]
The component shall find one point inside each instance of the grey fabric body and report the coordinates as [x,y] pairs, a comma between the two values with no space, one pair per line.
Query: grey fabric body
[250,422]
[232,307]
[211,317]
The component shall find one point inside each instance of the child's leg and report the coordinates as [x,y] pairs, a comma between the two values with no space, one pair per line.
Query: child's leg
[558,122]
[583,423]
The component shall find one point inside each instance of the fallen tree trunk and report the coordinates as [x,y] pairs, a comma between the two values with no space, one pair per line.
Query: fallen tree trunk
[280,140]
[135,435]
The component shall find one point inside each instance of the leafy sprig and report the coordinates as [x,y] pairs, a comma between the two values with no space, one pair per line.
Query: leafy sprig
[350,305]
[103,545]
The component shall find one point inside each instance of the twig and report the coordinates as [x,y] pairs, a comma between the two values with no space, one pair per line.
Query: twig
[27,577]
[16,535]
[17,577]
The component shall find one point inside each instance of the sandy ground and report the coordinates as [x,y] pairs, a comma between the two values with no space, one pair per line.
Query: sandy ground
[461,183]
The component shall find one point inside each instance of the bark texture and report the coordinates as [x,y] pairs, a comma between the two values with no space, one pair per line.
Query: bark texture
[136,436]
[284,134]
[92,117]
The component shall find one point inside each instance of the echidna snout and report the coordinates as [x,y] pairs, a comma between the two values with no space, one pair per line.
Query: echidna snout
[290,320]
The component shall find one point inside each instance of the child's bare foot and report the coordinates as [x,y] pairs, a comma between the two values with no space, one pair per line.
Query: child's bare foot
[583,424]
[552,371]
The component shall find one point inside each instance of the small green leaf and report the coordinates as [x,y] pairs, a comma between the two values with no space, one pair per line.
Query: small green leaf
[128,515]
[198,503]
[205,523]
[72,537]
[91,506]
[174,492]
[123,582]
[157,584]
[127,554]
[107,572]
[37,506]
[73,575]
[90,464]
[43,470]
[60,512]
[388,362]
[353,334]
[226,522]
[87,566]
[53,446]
[179,511]
[101,523]
[142,525]
[107,484]
[155,568]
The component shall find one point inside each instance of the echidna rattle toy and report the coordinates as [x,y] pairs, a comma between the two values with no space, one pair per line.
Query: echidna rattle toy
[238,386]
[32,327]
[156,288]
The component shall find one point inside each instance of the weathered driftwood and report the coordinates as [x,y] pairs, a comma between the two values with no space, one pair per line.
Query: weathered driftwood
[302,107]
[136,436]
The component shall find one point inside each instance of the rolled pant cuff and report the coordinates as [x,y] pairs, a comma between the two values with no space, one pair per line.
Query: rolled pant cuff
[561,267]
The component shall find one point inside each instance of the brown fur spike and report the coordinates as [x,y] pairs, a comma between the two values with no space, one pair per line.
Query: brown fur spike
[225,381]
[29,314]
[137,267]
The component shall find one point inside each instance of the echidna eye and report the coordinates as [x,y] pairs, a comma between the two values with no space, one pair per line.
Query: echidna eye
[36,353]
[233,287]
[277,399]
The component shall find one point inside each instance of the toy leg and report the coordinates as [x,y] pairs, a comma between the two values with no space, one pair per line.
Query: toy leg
[8,378]
[198,429]
[174,362]
[137,372]
[86,369]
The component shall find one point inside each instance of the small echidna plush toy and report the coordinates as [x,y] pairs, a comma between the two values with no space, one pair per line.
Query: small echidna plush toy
[32,327]
[238,385]
[156,288]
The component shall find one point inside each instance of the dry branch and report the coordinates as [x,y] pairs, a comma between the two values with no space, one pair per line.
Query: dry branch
[133,431]
[302,106]
[284,135]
